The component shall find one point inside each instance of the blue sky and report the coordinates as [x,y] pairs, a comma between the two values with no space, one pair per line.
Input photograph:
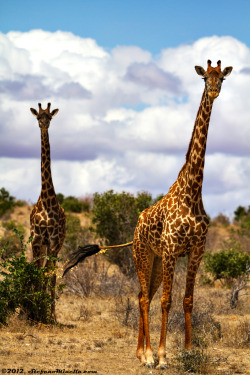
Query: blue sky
[150,24]
[122,75]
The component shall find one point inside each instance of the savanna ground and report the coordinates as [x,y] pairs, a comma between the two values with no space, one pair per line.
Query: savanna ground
[97,326]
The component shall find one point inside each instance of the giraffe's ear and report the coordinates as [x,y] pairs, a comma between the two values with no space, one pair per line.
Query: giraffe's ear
[34,112]
[54,112]
[199,70]
[227,71]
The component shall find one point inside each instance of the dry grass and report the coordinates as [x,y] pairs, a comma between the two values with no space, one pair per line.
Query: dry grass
[98,322]
[99,333]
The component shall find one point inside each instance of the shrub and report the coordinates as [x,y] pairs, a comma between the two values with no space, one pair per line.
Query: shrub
[115,217]
[60,197]
[228,264]
[193,361]
[25,287]
[75,234]
[7,202]
[221,219]
[72,204]
[238,336]
[241,212]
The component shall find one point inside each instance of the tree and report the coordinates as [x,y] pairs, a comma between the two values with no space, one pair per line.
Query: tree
[72,204]
[75,235]
[6,201]
[241,212]
[227,264]
[115,217]
[231,265]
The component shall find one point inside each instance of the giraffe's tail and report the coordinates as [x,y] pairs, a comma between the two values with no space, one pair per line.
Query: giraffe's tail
[86,251]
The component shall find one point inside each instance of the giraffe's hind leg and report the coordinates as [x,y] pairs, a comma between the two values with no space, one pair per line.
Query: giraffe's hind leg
[144,259]
[156,280]
[51,264]
[194,260]
[168,272]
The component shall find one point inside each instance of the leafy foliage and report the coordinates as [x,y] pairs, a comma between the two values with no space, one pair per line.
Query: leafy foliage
[241,212]
[229,263]
[72,204]
[25,287]
[115,217]
[7,202]
[75,235]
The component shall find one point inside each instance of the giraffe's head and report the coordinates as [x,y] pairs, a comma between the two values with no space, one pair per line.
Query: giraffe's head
[213,77]
[44,116]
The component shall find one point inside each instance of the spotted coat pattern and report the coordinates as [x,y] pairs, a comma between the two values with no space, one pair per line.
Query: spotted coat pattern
[47,219]
[175,226]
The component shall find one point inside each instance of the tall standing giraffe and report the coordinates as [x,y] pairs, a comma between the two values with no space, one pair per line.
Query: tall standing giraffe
[175,226]
[47,219]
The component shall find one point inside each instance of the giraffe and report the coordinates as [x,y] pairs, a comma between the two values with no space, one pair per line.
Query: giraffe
[174,226]
[47,219]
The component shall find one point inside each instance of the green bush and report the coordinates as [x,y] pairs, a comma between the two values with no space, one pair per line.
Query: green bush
[7,202]
[75,235]
[228,264]
[241,212]
[25,287]
[72,204]
[115,217]
[60,197]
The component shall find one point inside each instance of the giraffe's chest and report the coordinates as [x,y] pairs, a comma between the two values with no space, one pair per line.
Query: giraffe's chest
[50,218]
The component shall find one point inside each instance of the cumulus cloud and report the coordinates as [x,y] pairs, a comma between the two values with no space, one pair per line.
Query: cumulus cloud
[125,118]
[73,90]
[25,87]
[151,76]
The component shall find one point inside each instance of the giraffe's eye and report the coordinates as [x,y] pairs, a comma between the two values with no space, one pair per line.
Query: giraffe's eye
[205,78]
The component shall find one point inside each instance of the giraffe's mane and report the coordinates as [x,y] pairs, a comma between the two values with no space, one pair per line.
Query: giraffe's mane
[190,143]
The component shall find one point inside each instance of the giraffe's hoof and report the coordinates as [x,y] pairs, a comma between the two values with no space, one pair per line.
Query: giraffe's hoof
[162,366]
[149,364]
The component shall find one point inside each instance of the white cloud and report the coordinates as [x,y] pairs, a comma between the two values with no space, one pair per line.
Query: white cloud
[125,118]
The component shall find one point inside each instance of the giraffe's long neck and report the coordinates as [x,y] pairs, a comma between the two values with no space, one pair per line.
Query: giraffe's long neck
[47,183]
[191,175]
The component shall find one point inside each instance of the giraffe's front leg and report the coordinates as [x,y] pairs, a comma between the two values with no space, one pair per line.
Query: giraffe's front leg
[140,347]
[148,359]
[168,273]
[194,260]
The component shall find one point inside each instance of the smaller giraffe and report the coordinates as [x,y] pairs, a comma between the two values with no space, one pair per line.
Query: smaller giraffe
[47,219]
